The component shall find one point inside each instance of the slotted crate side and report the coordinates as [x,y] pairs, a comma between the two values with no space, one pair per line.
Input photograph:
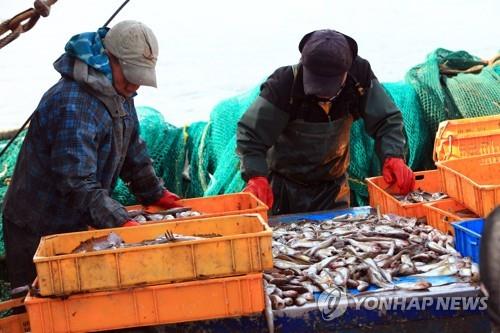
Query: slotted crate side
[441,214]
[380,194]
[219,205]
[162,304]
[473,181]
[461,138]
[15,323]
[245,247]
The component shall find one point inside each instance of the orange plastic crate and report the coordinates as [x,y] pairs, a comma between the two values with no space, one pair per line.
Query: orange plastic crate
[467,137]
[473,181]
[218,205]
[441,214]
[243,247]
[380,194]
[18,323]
[156,305]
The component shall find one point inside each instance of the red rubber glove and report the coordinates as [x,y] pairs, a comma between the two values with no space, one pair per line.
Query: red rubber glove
[259,186]
[167,200]
[130,223]
[396,171]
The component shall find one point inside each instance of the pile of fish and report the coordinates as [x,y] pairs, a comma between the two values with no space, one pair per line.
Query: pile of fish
[419,196]
[348,252]
[114,241]
[143,216]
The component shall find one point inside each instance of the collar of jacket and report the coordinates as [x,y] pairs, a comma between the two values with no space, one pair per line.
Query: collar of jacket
[100,87]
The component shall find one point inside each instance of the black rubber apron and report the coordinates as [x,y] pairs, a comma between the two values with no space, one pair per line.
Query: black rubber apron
[309,163]
[308,166]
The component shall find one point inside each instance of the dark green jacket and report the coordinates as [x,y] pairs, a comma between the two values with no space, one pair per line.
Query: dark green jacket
[282,100]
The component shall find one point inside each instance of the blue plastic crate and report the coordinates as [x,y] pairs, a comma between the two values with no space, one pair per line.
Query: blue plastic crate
[468,237]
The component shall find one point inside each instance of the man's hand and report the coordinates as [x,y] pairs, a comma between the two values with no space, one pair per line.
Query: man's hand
[168,200]
[259,186]
[130,223]
[396,171]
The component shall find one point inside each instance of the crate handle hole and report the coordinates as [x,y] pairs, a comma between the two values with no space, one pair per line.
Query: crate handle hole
[419,177]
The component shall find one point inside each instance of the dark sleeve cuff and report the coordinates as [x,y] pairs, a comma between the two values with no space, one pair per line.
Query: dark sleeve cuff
[253,166]
[108,213]
[146,186]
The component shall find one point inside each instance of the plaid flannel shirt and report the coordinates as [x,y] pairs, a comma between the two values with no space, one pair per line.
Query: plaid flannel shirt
[69,163]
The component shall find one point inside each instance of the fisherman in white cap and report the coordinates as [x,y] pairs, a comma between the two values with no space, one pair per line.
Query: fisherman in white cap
[84,135]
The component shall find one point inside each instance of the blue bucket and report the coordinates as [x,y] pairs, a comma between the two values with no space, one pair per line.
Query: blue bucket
[468,237]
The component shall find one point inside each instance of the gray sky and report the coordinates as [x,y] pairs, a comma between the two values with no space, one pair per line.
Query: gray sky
[210,50]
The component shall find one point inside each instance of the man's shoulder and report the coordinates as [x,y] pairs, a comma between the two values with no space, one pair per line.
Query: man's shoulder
[67,85]
[282,75]
[64,98]
[360,64]
[277,88]
[67,92]
[279,81]
[361,70]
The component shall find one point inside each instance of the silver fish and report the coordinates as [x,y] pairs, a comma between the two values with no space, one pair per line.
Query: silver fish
[304,243]
[308,297]
[437,248]
[312,251]
[362,285]
[299,301]
[277,302]
[140,218]
[288,265]
[365,247]
[268,311]
[290,293]
[353,251]
[110,241]
[420,285]
[443,270]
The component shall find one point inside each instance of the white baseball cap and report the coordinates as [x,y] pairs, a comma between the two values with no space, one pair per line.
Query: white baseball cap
[136,47]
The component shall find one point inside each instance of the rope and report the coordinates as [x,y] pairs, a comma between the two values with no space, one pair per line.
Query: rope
[24,21]
[356,181]
[16,135]
[201,151]
[495,61]
[115,13]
